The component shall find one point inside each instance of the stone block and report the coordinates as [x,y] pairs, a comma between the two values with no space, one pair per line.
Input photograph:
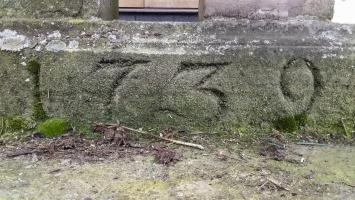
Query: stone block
[16,86]
[267,9]
[207,76]
[47,8]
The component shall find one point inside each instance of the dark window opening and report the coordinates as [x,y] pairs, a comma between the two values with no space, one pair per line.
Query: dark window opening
[159,15]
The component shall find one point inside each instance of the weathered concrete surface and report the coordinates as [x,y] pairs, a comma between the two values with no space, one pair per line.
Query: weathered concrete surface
[48,8]
[108,9]
[216,75]
[16,87]
[266,9]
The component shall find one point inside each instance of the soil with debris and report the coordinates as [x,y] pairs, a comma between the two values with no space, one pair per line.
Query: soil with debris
[113,141]
[113,167]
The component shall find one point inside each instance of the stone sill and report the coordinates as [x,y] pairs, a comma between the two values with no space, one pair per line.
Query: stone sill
[213,36]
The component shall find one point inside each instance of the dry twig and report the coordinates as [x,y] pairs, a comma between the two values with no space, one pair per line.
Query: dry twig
[277,184]
[20,153]
[197,146]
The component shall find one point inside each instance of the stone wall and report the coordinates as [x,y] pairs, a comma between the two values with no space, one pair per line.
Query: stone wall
[212,75]
[48,8]
[251,9]
[266,9]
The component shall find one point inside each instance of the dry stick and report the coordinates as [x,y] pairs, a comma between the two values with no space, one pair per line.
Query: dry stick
[277,183]
[20,153]
[197,146]
[266,182]
[347,184]
[344,127]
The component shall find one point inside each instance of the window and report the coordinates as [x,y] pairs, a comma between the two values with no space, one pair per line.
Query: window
[159,10]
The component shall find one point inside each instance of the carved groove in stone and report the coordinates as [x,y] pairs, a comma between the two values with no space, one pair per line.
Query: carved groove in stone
[126,66]
[117,63]
[215,67]
[185,66]
[222,97]
[294,78]
[170,110]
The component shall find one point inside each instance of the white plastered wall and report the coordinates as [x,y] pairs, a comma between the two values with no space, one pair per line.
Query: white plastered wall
[344,11]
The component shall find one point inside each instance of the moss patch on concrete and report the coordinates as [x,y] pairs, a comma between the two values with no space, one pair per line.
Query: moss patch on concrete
[15,128]
[34,68]
[14,124]
[290,124]
[53,127]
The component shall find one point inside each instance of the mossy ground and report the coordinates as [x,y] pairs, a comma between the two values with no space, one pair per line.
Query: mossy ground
[292,128]
[85,130]
[327,173]
[333,164]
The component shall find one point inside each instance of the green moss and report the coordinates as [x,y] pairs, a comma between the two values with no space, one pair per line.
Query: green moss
[15,128]
[240,130]
[287,124]
[76,21]
[33,67]
[329,164]
[301,119]
[290,124]
[138,189]
[38,112]
[16,124]
[53,127]
[86,132]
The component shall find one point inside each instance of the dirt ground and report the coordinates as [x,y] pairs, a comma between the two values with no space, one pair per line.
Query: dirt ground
[222,171]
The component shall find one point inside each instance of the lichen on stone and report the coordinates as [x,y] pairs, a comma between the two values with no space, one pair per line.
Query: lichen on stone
[12,41]
[56,46]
